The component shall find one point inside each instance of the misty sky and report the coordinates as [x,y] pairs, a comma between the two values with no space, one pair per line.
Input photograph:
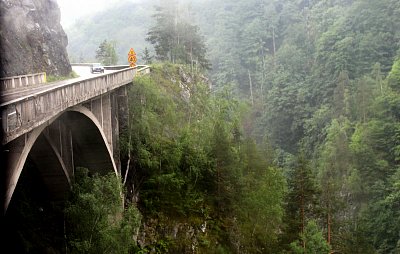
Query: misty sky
[71,10]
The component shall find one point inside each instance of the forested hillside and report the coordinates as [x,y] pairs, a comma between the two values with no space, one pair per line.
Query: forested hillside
[321,79]
[200,184]
[124,25]
[295,145]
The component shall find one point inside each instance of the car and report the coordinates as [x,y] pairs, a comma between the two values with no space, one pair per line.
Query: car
[96,67]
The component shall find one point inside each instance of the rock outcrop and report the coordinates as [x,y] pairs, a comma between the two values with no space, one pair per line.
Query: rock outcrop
[32,39]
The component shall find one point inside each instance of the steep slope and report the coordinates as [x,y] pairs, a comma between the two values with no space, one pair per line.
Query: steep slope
[32,39]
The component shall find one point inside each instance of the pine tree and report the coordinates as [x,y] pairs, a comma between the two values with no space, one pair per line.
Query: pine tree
[175,39]
[147,58]
[313,241]
[301,199]
[106,53]
[341,95]
[334,170]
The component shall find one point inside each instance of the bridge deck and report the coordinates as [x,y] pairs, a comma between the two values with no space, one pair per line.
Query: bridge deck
[9,96]
[24,110]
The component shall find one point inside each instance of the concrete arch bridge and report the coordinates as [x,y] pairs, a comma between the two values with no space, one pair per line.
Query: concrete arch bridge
[61,126]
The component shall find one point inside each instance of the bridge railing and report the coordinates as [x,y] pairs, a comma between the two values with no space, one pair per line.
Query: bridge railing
[26,113]
[115,67]
[142,70]
[110,67]
[15,82]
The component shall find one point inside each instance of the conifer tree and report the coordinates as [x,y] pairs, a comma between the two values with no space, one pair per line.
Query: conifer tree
[313,241]
[106,53]
[147,58]
[301,199]
[175,39]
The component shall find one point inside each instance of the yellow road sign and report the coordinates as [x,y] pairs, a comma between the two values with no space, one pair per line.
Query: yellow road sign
[131,52]
[132,57]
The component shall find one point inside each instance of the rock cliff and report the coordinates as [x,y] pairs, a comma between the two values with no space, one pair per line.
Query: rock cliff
[31,38]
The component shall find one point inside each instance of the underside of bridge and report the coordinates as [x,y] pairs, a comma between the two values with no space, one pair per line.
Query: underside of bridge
[90,148]
[74,139]
[50,166]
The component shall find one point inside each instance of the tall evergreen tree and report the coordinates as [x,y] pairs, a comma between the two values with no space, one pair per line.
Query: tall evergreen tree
[302,199]
[106,53]
[147,58]
[312,241]
[175,39]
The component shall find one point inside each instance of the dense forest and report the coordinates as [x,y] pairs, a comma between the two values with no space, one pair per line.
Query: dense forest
[321,80]
[265,126]
[320,84]
[303,146]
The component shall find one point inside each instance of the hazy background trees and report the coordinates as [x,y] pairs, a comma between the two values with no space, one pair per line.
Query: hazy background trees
[320,81]
[106,54]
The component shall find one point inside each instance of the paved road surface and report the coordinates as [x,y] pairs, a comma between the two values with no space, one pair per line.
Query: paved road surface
[84,71]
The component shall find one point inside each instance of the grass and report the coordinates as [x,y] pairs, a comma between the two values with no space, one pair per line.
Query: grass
[51,78]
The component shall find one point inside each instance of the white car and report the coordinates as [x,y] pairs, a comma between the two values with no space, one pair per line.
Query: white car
[96,67]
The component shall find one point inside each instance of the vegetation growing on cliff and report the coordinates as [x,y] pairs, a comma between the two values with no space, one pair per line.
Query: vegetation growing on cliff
[196,175]
[320,80]
[300,127]
[95,219]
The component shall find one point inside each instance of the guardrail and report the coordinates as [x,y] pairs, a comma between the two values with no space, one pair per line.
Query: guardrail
[22,81]
[116,67]
[142,69]
[81,64]
[111,67]
[26,113]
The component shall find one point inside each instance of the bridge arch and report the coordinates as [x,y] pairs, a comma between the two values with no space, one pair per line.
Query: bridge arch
[102,143]
[89,148]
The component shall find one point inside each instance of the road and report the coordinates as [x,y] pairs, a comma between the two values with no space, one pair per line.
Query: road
[82,71]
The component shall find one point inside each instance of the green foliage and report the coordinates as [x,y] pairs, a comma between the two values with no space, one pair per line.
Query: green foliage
[193,166]
[375,145]
[310,66]
[95,219]
[394,76]
[106,53]
[260,209]
[58,78]
[169,142]
[147,58]
[321,83]
[302,199]
[126,21]
[158,248]
[381,221]
[312,241]
[174,38]
[333,177]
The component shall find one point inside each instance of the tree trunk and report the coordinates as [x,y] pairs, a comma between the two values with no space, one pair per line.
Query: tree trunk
[329,228]
[263,80]
[302,214]
[273,44]
[251,89]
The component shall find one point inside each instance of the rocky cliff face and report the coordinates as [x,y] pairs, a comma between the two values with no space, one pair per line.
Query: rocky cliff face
[31,38]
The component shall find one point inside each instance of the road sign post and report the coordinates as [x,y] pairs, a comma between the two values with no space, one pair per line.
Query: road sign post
[132,58]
